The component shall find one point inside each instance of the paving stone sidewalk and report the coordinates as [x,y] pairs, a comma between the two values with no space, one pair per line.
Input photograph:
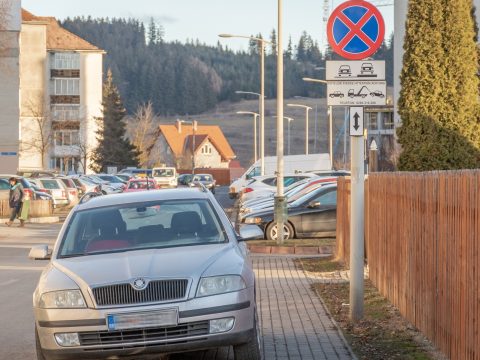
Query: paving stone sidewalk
[294,322]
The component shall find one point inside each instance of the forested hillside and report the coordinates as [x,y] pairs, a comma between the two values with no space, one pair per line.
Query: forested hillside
[191,78]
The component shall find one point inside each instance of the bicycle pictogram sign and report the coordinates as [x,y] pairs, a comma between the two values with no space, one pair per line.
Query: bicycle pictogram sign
[356,29]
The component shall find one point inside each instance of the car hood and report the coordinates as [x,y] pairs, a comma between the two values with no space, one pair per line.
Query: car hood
[178,262]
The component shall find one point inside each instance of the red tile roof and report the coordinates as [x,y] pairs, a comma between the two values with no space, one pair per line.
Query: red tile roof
[176,140]
[57,37]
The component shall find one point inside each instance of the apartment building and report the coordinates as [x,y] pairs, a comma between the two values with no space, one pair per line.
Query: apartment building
[60,96]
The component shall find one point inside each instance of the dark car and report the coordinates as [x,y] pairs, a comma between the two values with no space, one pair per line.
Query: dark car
[313,215]
[206,180]
[185,179]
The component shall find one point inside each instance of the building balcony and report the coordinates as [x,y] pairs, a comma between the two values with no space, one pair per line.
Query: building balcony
[64,73]
[65,99]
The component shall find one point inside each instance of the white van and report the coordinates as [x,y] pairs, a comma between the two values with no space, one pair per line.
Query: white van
[292,165]
[165,177]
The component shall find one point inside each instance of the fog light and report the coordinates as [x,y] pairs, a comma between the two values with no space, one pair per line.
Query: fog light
[221,325]
[67,339]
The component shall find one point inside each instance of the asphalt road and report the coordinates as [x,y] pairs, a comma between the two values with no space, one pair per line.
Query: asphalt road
[18,278]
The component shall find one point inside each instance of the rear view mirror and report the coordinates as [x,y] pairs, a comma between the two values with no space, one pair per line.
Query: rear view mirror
[250,232]
[40,252]
[314,204]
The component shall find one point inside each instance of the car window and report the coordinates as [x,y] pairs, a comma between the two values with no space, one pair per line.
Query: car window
[129,227]
[4,185]
[163,172]
[254,172]
[68,182]
[50,184]
[329,198]
[143,185]
[270,181]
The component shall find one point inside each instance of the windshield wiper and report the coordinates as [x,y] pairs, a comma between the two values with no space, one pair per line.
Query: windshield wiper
[71,255]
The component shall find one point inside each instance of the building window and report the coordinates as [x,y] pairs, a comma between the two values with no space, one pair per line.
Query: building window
[65,86]
[372,121]
[66,112]
[206,149]
[65,164]
[66,138]
[65,61]
[387,121]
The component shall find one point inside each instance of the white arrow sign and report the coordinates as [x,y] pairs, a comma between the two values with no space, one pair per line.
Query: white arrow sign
[356,121]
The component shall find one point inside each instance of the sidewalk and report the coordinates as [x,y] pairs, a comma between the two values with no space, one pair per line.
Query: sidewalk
[294,322]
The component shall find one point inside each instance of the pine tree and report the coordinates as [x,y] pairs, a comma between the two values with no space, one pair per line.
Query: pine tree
[439,98]
[289,51]
[152,32]
[273,40]
[113,148]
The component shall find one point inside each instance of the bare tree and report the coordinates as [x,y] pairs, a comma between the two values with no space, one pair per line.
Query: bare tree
[142,132]
[39,138]
[85,152]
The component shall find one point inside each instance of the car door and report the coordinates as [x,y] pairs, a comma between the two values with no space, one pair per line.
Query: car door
[322,219]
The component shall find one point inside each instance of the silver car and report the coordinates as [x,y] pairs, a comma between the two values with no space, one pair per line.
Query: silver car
[146,273]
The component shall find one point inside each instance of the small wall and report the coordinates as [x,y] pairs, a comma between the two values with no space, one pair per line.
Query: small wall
[38,208]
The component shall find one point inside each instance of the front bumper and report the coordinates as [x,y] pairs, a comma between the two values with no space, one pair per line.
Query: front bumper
[191,333]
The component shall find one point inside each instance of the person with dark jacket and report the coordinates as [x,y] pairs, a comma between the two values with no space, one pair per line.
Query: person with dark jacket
[15,200]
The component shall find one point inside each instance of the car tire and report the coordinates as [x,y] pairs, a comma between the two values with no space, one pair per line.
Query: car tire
[213,190]
[271,231]
[38,347]
[104,192]
[250,350]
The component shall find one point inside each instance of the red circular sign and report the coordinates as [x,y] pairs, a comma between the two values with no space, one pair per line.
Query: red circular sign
[356,29]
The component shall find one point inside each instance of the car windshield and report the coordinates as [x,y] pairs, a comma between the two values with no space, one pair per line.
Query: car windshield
[202,178]
[325,196]
[163,173]
[50,184]
[110,178]
[152,225]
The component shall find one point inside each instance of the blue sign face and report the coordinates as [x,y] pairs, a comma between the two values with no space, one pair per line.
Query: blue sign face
[356,30]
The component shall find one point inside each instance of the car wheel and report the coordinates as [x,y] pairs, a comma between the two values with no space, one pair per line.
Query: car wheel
[38,347]
[250,350]
[213,190]
[104,192]
[288,231]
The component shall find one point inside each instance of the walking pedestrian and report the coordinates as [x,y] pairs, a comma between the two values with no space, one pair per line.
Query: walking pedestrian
[15,201]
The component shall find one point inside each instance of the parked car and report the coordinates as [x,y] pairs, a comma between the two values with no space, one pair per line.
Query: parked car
[55,188]
[206,180]
[105,186]
[134,172]
[27,186]
[85,186]
[146,273]
[35,174]
[135,185]
[72,191]
[124,177]
[166,177]
[112,180]
[261,183]
[4,189]
[313,215]
[184,179]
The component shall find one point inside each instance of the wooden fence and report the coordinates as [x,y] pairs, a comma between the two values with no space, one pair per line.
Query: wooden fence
[423,241]
[38,208]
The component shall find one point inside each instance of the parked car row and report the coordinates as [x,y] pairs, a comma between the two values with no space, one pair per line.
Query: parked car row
[311,200]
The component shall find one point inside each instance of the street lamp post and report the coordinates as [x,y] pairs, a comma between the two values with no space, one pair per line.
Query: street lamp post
[255,116]
[330,120]
[262,43]
[289,119]
[307,109]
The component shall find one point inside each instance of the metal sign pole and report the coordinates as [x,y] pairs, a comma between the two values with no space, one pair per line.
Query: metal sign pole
[357,201]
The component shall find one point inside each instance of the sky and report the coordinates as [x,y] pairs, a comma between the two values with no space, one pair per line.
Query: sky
[205,19]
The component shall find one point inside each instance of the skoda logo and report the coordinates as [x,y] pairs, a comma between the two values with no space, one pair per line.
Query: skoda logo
[139,284]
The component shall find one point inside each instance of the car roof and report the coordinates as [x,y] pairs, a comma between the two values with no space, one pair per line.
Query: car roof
[144,196]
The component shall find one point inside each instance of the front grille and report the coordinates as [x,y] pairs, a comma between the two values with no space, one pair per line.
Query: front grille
[125,337]
[125,294]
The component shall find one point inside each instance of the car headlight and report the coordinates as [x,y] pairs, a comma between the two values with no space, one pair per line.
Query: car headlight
[253,220]
[220,285]
[64,299]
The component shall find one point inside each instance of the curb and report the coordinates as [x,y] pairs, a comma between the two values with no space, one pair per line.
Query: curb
[292,250]
[39,220]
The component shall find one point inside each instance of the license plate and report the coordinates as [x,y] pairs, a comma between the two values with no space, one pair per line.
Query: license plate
[168,317]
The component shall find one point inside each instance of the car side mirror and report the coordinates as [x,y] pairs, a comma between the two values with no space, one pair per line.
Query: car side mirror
[40,252]
[250,232]
[314,204]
